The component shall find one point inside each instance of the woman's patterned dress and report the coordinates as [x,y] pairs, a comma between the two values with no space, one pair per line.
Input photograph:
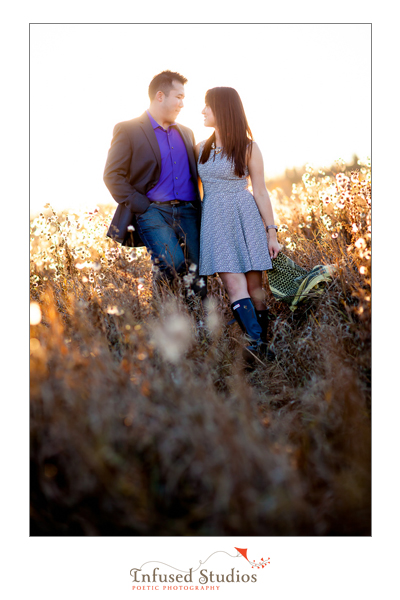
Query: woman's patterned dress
[233,238]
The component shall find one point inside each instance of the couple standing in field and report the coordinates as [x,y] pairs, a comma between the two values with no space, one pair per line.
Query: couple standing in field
[152,172]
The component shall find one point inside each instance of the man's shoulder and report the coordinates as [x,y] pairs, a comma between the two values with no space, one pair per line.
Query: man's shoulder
[132,123]
[187,134]
[186,129]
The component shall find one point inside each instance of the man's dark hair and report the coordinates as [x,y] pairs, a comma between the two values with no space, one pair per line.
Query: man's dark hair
[164,82]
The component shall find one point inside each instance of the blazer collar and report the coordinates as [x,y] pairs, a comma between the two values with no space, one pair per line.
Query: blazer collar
[151,136]
[190,151]
[154,122]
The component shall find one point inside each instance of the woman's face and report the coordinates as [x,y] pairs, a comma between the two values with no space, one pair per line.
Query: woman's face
[209,119]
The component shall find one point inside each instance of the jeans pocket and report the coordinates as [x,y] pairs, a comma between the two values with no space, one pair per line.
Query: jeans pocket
[139,215]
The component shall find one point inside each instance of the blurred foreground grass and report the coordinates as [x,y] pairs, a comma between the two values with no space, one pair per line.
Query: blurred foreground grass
[143,420]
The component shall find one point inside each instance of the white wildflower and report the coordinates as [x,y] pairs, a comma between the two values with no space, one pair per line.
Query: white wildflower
[188,279]
[173,336]
[213,320]
[35,313]
[114,310]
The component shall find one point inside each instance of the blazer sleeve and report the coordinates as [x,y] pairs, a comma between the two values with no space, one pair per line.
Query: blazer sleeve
[116,172]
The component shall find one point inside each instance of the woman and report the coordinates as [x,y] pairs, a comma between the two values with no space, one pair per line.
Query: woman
[234,240]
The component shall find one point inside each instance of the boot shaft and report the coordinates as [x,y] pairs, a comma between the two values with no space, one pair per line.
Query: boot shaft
[245,314]
[263,317]
[247,318]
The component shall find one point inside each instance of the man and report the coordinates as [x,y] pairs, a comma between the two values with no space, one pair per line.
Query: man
[151,172]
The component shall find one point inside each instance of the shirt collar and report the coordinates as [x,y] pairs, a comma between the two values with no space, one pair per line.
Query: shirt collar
[155,124]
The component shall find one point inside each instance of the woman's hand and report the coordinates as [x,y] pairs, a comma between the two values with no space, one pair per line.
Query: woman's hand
[273,245]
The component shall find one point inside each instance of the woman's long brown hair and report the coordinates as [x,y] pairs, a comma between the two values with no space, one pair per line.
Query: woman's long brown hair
[232,125]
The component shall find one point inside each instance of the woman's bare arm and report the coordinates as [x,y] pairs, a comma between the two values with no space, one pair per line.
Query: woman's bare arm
[255,165]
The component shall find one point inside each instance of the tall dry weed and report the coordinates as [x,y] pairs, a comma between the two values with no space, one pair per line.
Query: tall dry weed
[143,419]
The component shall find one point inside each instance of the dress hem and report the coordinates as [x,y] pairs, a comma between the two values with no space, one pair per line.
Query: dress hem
[248,271]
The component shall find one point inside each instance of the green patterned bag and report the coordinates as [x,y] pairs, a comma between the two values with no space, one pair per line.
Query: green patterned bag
[292,284]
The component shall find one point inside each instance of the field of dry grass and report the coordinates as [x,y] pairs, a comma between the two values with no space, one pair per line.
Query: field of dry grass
[143,419]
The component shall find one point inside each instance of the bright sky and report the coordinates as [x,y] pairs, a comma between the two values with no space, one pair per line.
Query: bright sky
[305,89]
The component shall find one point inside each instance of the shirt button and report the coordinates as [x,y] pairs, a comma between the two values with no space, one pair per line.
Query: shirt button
[174,162]
[176,178]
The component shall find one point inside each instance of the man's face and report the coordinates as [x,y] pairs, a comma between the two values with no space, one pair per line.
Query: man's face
[173,103]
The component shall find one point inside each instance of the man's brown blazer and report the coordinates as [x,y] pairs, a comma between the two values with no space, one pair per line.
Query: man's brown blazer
[133,168]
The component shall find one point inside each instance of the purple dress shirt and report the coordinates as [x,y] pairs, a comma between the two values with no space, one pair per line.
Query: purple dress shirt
[175,181]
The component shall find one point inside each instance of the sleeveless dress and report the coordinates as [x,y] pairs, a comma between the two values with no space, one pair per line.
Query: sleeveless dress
[233,238]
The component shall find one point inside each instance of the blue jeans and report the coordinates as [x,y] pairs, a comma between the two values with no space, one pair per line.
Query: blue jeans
[172,236]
